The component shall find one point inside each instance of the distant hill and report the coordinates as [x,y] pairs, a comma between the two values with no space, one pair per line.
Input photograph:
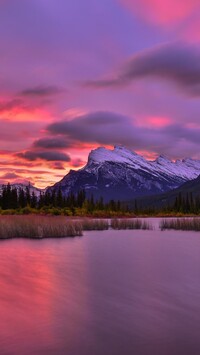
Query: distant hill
[189,188]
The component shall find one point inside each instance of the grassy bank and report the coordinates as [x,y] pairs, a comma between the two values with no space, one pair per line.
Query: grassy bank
[76,212]
[84,213]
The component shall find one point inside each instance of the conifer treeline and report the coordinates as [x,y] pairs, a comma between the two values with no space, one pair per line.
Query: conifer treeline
[184,203]
[13,198]
[187,203]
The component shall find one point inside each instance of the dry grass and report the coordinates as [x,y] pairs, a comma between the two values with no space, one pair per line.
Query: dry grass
[185,224]
[38,227]
[130,224]
[94,224]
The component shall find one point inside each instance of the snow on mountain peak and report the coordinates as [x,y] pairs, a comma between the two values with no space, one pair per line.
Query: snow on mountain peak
[163,159]
[119,154]
[186,169]
[99,155]
[121,174]
[121,150]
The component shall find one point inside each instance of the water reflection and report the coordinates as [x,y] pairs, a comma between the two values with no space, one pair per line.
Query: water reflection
[112,292]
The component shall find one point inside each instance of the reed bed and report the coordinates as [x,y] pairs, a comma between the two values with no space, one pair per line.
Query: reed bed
[184,224]
[38,227]
[94,224]
[130,224]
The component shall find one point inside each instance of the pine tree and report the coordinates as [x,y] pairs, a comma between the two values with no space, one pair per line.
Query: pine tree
[59,198]
[27,195]
[22,199]
[14,199]
[33,202]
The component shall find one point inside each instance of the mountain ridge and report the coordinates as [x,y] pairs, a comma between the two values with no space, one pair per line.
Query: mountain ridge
[122,174]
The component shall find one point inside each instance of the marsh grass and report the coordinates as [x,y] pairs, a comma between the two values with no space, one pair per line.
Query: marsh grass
[38,227]
[184,224]
[94,224]
[130,224]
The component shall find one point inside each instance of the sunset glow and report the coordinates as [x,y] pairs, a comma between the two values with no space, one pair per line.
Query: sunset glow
[113,72]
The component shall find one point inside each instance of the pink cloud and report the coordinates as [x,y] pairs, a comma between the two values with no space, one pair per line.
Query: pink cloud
[77,163]
[191,32]
[157,122]
[163,12]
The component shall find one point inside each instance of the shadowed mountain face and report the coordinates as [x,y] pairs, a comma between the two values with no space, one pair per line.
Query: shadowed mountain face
[122,174]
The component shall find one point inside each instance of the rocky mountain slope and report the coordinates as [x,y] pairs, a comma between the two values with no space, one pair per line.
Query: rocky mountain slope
[122,174]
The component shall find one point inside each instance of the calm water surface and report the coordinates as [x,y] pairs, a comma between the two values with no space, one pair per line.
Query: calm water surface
[107,293]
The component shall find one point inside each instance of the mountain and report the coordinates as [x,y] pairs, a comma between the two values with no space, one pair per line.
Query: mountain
[122,174]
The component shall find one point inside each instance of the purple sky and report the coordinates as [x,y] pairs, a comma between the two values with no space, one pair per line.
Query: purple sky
[78,74]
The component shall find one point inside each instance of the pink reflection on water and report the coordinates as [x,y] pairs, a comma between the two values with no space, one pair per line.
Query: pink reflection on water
[32,294]
[112,292]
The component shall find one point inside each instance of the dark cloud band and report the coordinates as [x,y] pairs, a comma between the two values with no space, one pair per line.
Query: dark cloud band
[106,128]
[52,143]
[41,91]
[175,62]
[48,156]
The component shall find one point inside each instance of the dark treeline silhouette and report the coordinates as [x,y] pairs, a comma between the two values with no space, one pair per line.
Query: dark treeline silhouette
[187,203]
[183,203]
[21,198]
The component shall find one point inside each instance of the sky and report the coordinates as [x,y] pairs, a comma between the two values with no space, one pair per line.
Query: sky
[79,74]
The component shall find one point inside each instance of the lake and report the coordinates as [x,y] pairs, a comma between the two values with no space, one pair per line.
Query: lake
[106,293]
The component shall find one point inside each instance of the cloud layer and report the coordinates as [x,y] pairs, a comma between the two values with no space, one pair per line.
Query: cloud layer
[107,128]
[175,62]
[163,12]
[52,143]
[47,117]
[48,156]
[41,91]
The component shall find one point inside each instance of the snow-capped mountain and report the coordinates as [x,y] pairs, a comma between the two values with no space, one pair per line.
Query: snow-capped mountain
[122,174]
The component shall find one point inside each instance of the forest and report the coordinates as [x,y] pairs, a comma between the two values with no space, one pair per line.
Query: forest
[21,201]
